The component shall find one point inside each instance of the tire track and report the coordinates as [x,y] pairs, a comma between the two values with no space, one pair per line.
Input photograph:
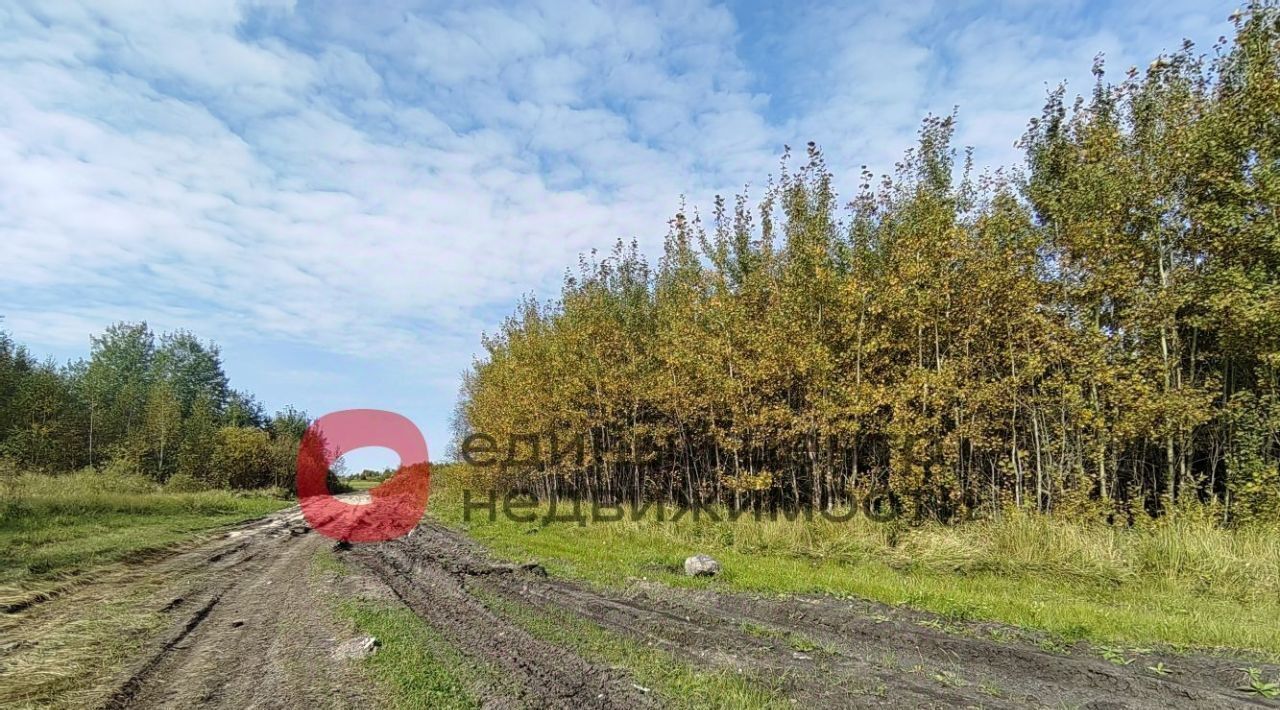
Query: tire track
[826,652]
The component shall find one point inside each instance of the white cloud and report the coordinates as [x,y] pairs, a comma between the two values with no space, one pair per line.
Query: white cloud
[384,180]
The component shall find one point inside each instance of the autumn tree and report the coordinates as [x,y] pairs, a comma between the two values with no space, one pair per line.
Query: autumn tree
[1097,334]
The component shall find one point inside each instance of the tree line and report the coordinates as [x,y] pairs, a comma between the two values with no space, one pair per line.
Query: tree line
[157,406]
[1096,331]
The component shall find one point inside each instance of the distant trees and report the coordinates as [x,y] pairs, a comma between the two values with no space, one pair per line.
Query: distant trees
[43,419]
[1098,332]
[159,407]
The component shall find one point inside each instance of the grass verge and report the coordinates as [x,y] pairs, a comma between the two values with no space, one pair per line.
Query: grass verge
[1181,583]
[415,667]
[52,527]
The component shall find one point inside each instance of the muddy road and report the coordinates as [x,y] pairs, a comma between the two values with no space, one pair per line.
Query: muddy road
[853,654]
[248,623]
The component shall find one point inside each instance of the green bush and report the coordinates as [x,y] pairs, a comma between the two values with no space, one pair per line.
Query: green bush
[185,483]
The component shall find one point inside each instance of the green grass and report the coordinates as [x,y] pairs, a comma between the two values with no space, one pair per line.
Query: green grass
[53,527]
[325,562]
[1182,583]
[414,665]
[677,684]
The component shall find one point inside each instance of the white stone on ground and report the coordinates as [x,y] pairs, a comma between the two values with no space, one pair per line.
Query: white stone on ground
[356,649]
[701,566]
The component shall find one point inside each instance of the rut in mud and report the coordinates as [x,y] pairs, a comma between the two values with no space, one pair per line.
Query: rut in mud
[856,654]
[536,674]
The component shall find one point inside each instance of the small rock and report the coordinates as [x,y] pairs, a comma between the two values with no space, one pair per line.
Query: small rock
[237,623]
[701,566]
[356,649]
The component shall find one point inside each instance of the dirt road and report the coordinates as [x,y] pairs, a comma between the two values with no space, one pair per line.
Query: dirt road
[257,632]
[857,654]
[251,625]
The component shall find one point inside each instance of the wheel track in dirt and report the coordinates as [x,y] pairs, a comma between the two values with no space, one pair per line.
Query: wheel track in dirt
[232,561]
[242,633]
[875,656]
[128,692]
[541,674]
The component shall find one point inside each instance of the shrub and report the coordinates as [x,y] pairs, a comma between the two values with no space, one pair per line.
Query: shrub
[184,483]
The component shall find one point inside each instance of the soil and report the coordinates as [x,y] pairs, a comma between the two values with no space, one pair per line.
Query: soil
[260,634]
[822,652]
[251,625]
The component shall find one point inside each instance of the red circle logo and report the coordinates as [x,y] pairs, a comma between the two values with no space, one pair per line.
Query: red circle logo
[397,504]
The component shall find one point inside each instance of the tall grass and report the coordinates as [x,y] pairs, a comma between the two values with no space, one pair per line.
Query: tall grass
[88,492]
[1243,563]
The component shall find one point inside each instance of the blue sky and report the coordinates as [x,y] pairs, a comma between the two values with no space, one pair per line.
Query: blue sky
[345,195]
